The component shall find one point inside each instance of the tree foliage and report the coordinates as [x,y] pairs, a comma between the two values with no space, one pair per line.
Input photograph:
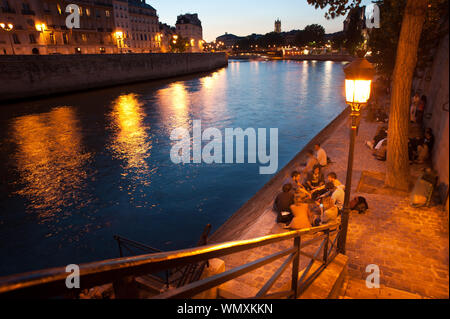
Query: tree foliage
[180,46]
[384,41]
[335,7]
[311,35]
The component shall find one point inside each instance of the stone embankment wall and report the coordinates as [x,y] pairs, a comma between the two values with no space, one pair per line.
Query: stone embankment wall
[29,76]
[434,83]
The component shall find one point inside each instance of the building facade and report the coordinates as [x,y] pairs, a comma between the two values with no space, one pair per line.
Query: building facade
[106,26]
[189,27]
[39,27]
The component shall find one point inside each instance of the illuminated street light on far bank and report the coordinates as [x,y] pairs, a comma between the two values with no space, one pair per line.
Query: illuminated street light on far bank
[358,81]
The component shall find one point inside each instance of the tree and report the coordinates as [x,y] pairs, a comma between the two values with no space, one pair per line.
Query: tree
[354,39]
[180,45]
[383,41]
[311,34]
[397,170]
[315,33]
[271,39]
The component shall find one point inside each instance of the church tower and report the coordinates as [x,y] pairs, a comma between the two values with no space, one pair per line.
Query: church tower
[278,26]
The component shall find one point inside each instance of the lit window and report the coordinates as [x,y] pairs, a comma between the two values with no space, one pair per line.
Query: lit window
[107,13]
[88,12]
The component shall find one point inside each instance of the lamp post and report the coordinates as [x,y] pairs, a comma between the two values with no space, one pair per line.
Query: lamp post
[358,81]
[9,27]
[119,37]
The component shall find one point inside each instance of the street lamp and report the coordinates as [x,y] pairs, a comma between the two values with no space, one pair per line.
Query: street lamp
[8,27]
[119,37]
[358,82]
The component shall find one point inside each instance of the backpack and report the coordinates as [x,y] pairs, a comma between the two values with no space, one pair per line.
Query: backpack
[359,204]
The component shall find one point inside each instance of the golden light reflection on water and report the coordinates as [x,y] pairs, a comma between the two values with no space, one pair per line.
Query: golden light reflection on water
[174,102]
[131,142]
[51,161]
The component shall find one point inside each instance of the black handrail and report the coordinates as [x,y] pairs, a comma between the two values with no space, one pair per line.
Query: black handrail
[51,282]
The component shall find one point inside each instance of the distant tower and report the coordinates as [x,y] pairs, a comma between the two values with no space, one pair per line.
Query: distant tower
[278,26]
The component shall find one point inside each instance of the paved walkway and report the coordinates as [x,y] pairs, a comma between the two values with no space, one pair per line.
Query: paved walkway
[411,246]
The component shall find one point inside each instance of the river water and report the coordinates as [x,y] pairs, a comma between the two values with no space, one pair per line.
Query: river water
[80,168]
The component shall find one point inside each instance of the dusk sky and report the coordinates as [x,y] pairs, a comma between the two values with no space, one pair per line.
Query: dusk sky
[246,17]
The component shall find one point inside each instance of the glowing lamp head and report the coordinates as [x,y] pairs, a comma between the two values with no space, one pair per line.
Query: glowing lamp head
[7,27]
[119,34]
[41,27]
[358,82]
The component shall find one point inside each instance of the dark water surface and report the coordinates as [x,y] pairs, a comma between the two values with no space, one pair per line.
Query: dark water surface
[77,169]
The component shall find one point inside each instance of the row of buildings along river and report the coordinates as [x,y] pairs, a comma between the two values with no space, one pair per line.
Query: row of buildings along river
[106,26]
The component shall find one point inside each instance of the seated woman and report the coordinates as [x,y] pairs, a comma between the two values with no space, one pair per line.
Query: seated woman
[300,212]
[315,180]
[283,204]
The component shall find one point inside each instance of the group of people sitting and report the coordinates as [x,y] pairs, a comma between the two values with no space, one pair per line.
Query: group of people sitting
[308,199]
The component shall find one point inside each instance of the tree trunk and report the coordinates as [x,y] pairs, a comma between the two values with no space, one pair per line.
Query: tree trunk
[397,170]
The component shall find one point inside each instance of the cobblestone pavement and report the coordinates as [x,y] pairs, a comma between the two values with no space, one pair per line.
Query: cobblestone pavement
[411,246]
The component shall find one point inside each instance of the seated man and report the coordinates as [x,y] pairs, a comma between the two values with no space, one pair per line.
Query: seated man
[337,195]
[283,204]
[298,187]
[332,178]
[315,180]
[321,155]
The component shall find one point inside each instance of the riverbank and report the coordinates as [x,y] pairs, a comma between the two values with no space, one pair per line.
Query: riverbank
[30,76]
[409,245]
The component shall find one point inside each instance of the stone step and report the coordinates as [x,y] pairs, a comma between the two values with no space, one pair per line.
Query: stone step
[236,289]
[357,289]
[328,284]
[150,286]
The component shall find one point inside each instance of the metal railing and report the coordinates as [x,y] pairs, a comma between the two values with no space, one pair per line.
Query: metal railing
[120,272]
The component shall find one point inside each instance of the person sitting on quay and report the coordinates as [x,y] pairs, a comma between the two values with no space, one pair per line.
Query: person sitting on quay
[337,194]
[420,149]
[329,211]
[283,203]
[321,155]
[310,163]
[299,189]
[314,180]
[381,134]
[301,215]
[331,178]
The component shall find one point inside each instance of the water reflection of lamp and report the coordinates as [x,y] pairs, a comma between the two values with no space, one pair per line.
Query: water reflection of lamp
[131,143]
[358,80]
[50,160]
